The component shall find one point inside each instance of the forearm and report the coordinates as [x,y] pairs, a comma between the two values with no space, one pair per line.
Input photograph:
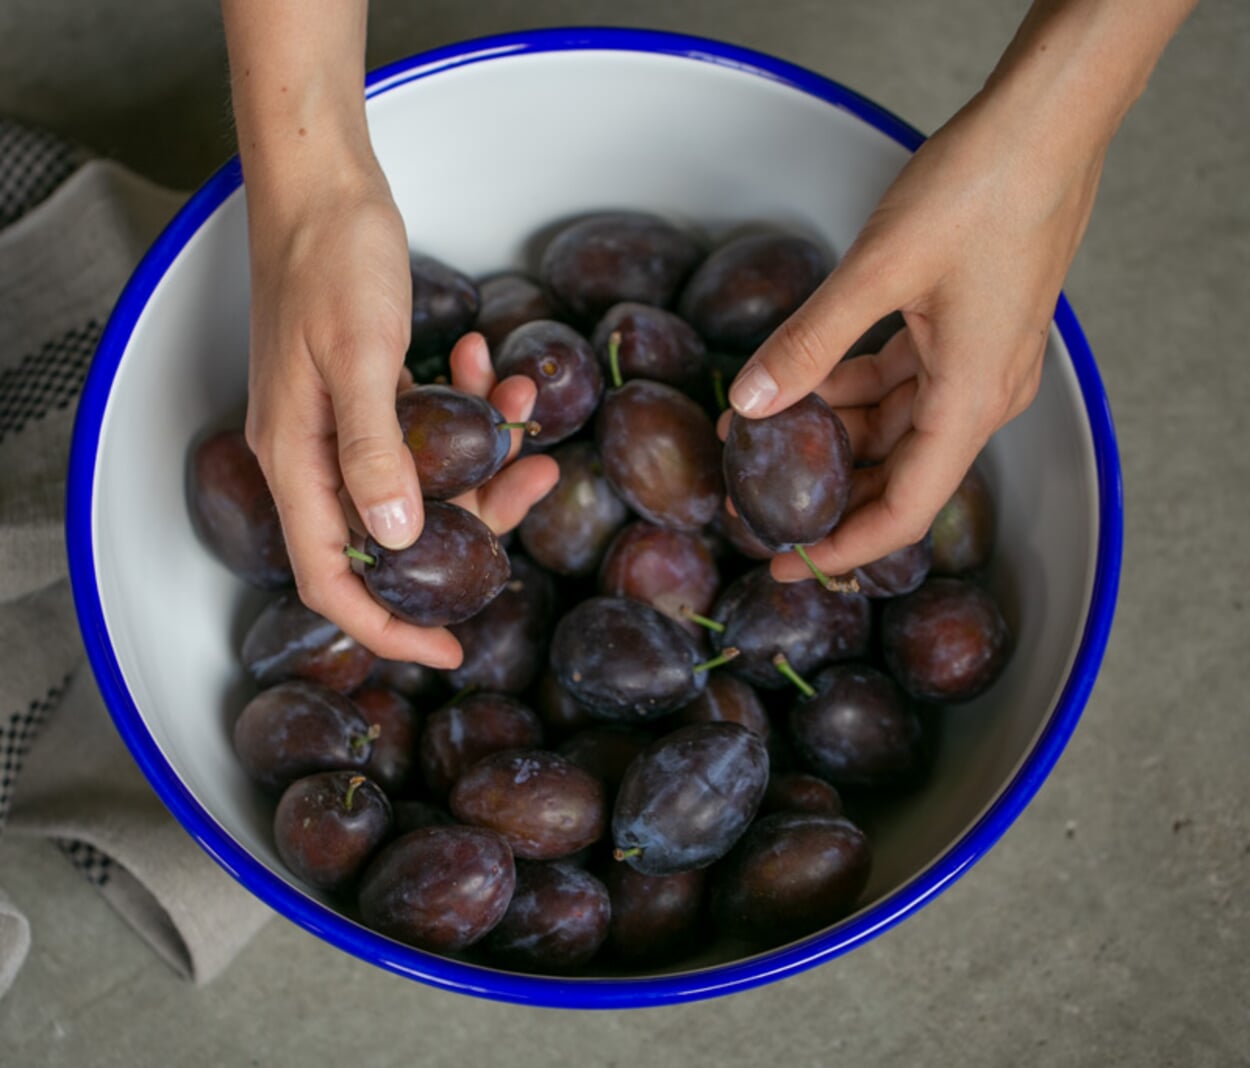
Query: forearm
[1079,65]
[297,87]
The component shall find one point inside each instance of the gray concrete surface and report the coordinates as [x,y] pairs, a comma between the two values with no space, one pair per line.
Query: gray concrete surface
[1110,926]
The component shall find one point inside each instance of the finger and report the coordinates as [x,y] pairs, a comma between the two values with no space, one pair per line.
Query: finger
[866,379]
[504,500]
[805,348]
[305,489]
[875,429]
[471,369]
[377,467]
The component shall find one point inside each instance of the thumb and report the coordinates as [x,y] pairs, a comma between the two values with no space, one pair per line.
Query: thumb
[801,352]
[378,470]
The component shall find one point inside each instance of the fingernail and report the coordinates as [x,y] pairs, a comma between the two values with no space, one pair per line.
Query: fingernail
[391,523]
[753,391]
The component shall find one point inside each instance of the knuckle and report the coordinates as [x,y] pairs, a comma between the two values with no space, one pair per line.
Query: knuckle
[801,345]
[371,459]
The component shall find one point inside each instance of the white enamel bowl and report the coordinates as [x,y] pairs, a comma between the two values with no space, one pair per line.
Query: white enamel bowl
[485,144]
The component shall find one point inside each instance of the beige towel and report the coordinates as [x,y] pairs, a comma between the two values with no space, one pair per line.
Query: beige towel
[71,231]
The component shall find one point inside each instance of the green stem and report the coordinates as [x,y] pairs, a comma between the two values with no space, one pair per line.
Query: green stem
[783,665]
[352,784]
[356,554]
[718,389]
[528,425]
[821,577]
[371,735]
[703,621]
[625,854]
[614,358]
[727,654]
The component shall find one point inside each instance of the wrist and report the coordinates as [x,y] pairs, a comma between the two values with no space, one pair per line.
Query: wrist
[1075,67]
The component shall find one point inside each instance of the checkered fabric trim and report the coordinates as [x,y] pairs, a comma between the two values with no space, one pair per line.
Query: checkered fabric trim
[32,164]
[96,866]
[47,380]
[16,735]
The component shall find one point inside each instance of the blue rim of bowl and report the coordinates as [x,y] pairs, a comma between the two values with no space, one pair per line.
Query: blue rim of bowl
[606,993]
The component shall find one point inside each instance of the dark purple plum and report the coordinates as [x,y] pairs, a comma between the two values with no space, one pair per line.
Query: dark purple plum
[797,791]
[963,531]
[328,825]
[461,733]
[660,452]
[509,301]
[671,570]
[688,797]
[858,729]
[610,257]
[444,306]
[792,874]
[234,513]
[748,286]
[544,806]
[806,623]
[728,699]
[896,573]
[650,343]
[290,641]
[397,723]
[625,660]
[296,728]
[569,529]
[654,917]
[451,572]
[789,475]
[946,642]
[458,440]
[565,370]
[505,644]
[438,888]
[556,922]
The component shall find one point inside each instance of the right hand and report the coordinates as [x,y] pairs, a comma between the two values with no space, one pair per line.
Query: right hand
[330,323]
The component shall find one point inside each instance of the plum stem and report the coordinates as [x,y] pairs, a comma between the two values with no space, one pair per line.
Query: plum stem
[783,665]
[614,358]
[839,584]
[727,654]
[718,389]
[528,425]
[625,854]
[821,577]
[688,613]
[359,741]
[356,554]
[350,796]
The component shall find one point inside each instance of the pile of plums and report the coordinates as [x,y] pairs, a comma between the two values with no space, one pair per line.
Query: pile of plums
[650,740]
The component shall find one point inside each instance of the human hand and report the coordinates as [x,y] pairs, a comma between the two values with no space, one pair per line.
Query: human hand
[971,243]
[331,315]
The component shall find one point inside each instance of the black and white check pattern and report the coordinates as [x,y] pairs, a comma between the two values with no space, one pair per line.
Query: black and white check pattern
[47,380]
[16,735]
[96,866]
[32,164]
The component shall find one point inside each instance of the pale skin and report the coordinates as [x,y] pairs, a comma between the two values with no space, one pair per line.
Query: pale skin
[971,242]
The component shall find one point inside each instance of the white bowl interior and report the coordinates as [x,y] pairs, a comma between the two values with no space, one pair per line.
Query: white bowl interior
[481,158]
